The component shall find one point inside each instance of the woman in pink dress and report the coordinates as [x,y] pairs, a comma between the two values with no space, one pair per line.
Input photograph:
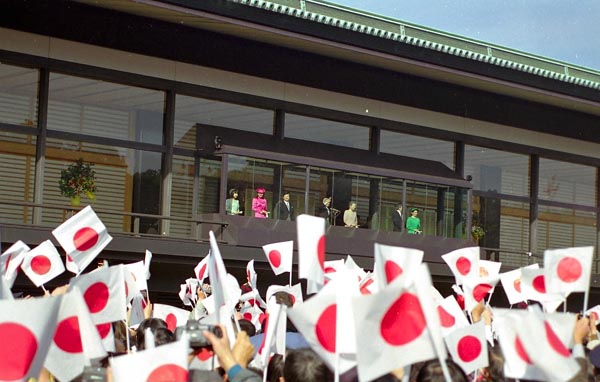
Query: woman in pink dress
[259,204]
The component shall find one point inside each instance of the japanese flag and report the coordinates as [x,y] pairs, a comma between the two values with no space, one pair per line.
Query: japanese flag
[463,263]
[568,270]
[368,285]
[351,265]
[174,317]
[104,293]
[279,256]
[392,332]
[545,348]
[489,268]
[274,338]
[392,262]
[26,329]
[83,237]
[225,293]
[295,292]
[167,362]
[594,313]
[201,270]
[311,251]
[186,295]
[11,260]
[76,340]
[43,263]
[251,275]
[137,272]
[511,283]
[468,347]
[332,267]
[533,286]
[5,292]
[317,320]
[253,314]
[451,315]
[476,289]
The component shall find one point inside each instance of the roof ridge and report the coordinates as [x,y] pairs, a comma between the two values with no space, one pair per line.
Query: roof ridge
[415,35]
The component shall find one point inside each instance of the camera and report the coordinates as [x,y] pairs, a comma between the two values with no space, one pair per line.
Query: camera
[194,330]
[93,374]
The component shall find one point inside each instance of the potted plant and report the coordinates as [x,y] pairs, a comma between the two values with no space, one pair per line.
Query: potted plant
[76,180]
[477,233]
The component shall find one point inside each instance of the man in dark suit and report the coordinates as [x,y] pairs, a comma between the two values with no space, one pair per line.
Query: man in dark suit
[398,219]
[284,210]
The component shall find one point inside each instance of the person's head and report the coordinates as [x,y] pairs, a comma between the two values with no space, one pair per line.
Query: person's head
[432,372]
[275,368]
[163,336]
[234,193]
[152,324]
[304,365]
[247,326]
[260,192]
[414,211]
[327,201]
[352,206]
[286,196]
[399,207]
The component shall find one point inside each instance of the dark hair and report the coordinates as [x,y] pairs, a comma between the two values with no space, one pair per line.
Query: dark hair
[285,192]
[233,191]
[247,326]
[432,372]
[153,324]
[304,365]
[275,368]
[163,336]
[283,298]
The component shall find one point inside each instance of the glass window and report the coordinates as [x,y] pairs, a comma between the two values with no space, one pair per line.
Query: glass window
[417,147]
[567,182]
[324,131]
[127,180]
[209,185]
[192,110]
[390,196]
[105,109]
[17,155]
[565,227]
[18,95]
[182,196]
[497,171]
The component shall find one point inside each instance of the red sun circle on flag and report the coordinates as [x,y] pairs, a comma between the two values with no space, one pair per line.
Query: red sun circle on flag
[275,258]
[555,342]
[171,321]
[168,373]
[539,284]
[463,265]
[446,319]
[392,270]
[205,354]
[67,336]
[325,328]
[202,272]
[7,262]
[85,238]
[364,289]
[41,264]
[19,346]
[321,251]
[480,291]
[104,329]
[96,297]
[521,351]
[594,315]
[569,269]
[405,313]
[517,285]
[468,348]
[329,270]
[247,316]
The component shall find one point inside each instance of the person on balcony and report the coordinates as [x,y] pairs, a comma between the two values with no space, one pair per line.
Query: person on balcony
[398,219]
[284,210]
[259,204]
[232,205]
[350,218]
[413,223]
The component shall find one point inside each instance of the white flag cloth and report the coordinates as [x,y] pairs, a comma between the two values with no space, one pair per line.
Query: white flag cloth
[275,328]
[368,285]
[468,347]
[137,311]
[185,294]
[251,275]
[331,267]
[222,288]
[82,237]
[147,260]
[167,362]
[451,315]
[544,347]
[463,263]
[477,289]
[131,289]
[201,270]
[489,268]
[76,340]
[295,292]
[5,292]
[533,286]
[280,256]
[26,327]
[351,265]
[253,314]
[11,260]
[137,271]
[594,312]
[311,251]
[316,319]
[511,283]
[43,263]
[104,293]
[568,270]
[392,262]
[392,332]
[174,317]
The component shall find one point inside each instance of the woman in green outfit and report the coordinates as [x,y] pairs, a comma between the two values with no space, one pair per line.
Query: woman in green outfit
[413,223]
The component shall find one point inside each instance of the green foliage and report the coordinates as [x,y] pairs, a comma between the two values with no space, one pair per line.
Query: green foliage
[477,232]
[77,179]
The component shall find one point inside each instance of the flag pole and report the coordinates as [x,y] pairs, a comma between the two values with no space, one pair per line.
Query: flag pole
[128,339]
[290,284]
[586,297]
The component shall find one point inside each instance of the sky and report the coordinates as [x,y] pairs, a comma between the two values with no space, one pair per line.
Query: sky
[564,30]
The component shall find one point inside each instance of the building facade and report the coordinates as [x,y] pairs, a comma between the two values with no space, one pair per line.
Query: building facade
[178,102]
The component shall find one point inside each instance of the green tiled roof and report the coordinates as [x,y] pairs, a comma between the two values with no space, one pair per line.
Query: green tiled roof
[406,33]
